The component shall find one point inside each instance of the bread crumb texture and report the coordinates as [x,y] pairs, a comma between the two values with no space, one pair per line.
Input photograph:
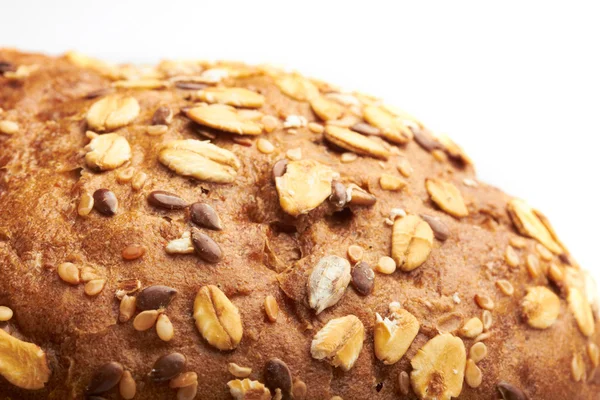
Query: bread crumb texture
[215,230]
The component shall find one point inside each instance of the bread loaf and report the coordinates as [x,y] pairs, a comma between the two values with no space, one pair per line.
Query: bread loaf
[218,230]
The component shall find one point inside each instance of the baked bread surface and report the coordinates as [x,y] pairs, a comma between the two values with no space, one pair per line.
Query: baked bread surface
[274,234]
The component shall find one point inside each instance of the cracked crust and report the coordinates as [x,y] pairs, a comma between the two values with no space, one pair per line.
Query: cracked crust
[265,252]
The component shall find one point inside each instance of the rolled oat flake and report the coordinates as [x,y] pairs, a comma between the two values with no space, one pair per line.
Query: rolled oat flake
[167,367]
[206,248]
[205,216]
[105,202]
[166,200]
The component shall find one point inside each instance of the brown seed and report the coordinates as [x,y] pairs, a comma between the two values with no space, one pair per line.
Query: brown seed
[97,93]
[404,383]
[338,197]
[105,202]
[184,379]
[133,251]
[510,392]
[155,297]
[205,216]
[126,308]
[105,378]
[190,85]
[162,116]
[484,302]
[5,66]
[271,308]
[365,129]
[247,142]
[188,392]
[206,248]
[166,200]
[299,390]
[440,230]
[426,140]
[145,320]
[167,367]
[279,168]
[127,386]
[363,278]
[278,375]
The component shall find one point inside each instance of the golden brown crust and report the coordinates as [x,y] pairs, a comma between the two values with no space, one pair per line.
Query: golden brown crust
[265,252]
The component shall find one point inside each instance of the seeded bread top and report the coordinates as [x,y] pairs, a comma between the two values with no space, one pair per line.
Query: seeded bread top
[218,230]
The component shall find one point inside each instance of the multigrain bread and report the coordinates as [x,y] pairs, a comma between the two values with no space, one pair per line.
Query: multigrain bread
[209,230]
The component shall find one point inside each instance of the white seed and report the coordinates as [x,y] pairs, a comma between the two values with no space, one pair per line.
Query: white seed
[8,127]
[126,308]
[478,352]
[348,157]
[164,328]
[69,273]
[156,130]
[94,287]
[145,320]
[5,313]
[127,386]
[86,203]
[188,392]
[264,146]
[385,265]
[294,154]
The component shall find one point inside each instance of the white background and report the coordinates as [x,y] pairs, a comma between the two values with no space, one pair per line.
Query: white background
[516,83]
